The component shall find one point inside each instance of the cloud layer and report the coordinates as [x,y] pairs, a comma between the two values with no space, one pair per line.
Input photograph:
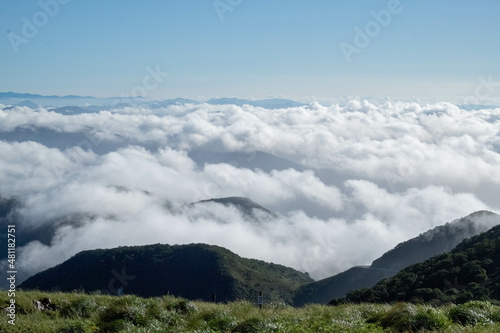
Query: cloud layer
[360,177]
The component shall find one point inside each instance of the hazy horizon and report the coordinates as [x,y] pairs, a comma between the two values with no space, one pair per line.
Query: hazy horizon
[251,49]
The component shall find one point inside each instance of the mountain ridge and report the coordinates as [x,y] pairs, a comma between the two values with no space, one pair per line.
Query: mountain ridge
[273,103]
[444,238]
[245,205]
[471,271]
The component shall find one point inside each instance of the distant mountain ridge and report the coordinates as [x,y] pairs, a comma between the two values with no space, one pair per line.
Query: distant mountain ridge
[56,100]
[275,103]
[194,271]
[245,205]
[70,110]
[11,94]
[26,103]
[254,160]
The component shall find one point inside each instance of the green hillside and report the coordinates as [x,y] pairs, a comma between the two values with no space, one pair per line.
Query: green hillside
[426,245]
[438,240]
[471,271]
[194,271]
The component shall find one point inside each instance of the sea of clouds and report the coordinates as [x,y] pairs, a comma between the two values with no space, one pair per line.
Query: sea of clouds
[360,178]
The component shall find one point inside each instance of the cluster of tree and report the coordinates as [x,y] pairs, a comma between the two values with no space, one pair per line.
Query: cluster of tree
[471,271]
[193,271]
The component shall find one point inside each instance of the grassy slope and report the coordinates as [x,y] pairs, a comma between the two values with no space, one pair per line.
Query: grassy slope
[102,313]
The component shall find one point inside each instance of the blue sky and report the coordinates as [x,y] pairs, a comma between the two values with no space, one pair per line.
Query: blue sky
[260,49]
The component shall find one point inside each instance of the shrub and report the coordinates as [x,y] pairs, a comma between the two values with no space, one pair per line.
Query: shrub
[83,307]
[428,318]
[183,306]
[277,306]
[113,326]
[219,321]
[408,317]
[129,309]
[399,316]
[222,324]
[253,325]
[78,327]
[472,313]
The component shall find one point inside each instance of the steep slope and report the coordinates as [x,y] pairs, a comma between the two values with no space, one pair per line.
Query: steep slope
[323,291]
[192,271]
[471,271]
[435,241]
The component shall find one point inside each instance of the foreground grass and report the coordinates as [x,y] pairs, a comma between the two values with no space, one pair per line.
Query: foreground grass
[83,313]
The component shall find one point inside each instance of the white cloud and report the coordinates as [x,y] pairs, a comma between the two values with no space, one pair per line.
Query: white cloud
[401,169]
